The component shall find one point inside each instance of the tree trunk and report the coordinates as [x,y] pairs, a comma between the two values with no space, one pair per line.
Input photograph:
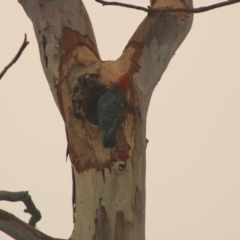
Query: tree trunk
[109,182]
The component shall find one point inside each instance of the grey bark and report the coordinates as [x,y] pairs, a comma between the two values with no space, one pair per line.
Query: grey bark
[109,183]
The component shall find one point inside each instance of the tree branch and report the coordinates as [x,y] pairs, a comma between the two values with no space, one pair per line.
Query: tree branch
[19,53]
[20,230]
[27,200]
[185,10]
[123,5]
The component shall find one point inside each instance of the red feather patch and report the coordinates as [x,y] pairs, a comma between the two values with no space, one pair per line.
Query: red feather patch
[123,83]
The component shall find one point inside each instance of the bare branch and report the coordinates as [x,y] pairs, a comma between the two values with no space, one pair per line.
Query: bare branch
[20,230]
[123,5]
[185,10]
[27,200]
[19,53]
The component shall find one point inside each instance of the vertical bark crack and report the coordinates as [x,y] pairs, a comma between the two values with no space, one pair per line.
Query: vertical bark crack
[44,40]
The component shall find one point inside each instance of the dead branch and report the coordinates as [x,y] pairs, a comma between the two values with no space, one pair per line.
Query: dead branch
[123,5]
[185,10]
[19,53]
[27,200]
[19,230]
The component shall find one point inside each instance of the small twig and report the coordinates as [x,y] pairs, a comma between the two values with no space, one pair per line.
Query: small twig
[185,10]
[123,5]
[20,230]
[27,200]
[24,45]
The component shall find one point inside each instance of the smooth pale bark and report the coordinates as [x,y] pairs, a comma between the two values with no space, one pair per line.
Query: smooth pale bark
[109,183]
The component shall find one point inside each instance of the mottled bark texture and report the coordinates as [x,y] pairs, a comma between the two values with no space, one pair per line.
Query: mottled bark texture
[109,183]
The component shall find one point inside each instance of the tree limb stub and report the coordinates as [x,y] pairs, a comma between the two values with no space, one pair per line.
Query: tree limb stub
[170,9]
[27,200]
[19,230]
[109,182]
[17,56]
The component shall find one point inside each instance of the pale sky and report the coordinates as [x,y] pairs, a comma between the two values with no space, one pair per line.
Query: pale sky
[193,157]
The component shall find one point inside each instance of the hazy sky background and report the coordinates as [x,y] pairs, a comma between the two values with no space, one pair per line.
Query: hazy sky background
[193,157]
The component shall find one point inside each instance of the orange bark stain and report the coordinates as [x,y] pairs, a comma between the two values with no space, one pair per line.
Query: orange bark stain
[69,41]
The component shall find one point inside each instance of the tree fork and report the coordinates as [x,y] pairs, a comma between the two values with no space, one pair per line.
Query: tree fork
[109,183]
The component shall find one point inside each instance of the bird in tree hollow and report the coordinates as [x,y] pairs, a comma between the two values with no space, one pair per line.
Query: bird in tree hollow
[109,107]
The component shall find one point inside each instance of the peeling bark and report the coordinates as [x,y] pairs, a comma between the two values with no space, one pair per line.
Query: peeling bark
[109,183]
